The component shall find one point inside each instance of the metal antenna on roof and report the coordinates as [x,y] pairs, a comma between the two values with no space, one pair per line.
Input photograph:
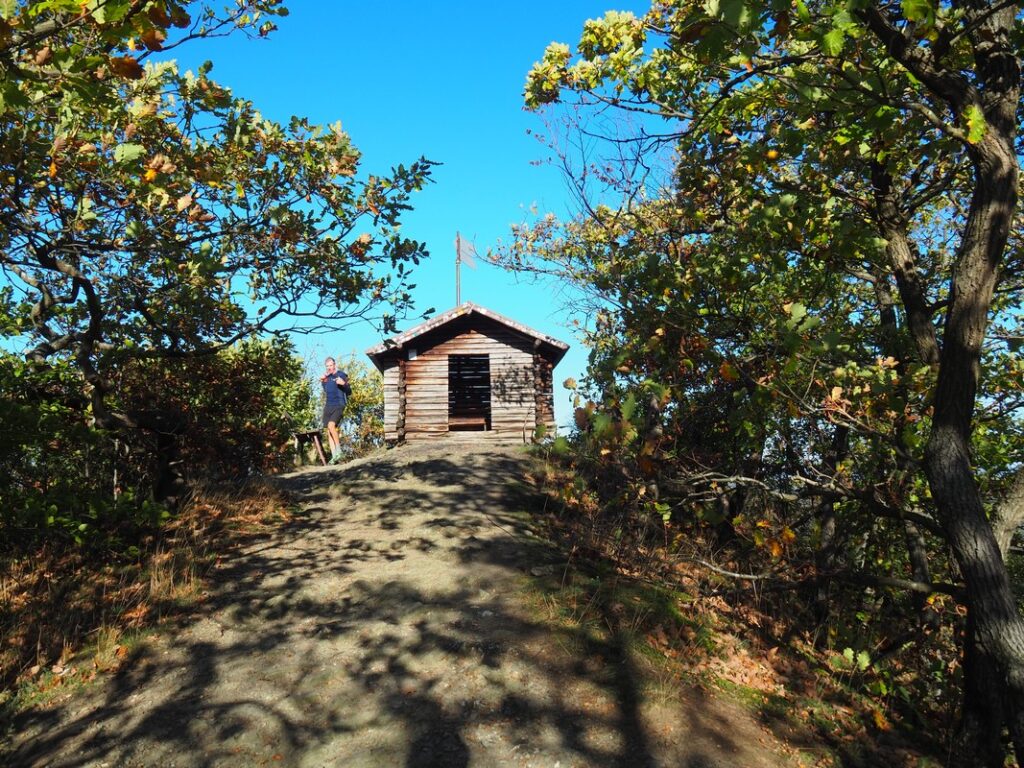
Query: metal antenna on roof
[464,253]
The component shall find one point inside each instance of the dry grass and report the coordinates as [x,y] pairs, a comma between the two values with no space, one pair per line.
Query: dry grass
[634,581]
[66,614]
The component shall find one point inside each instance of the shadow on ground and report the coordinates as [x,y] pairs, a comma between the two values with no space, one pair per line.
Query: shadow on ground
[381,627]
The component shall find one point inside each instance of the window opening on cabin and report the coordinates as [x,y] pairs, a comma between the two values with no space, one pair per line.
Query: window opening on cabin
[469,393]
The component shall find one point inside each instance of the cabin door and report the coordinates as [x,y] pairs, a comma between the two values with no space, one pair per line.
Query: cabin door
[469,393]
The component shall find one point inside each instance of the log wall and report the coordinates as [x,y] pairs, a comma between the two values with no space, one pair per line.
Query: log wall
[416,391]
[513,404]
[391,402]
[544,393]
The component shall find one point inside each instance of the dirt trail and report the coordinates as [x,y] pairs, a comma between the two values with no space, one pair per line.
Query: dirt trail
[384,626]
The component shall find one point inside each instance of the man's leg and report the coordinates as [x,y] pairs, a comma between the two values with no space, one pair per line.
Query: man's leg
[332,437]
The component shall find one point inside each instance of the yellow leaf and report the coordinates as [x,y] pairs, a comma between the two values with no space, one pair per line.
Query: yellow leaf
[53,169]
[149,175]
[880,721]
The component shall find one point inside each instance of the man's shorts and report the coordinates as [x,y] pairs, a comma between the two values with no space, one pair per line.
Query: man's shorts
[333,413]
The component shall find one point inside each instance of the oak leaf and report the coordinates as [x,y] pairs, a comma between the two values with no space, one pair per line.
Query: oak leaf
[153,39]
[127,67]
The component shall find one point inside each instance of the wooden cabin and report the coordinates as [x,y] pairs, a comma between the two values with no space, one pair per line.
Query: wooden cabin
[468,370]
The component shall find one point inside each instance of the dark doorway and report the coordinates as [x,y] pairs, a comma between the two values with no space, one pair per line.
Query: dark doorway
[469,393]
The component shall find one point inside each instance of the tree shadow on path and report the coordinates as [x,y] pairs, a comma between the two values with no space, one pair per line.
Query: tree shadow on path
[381,626]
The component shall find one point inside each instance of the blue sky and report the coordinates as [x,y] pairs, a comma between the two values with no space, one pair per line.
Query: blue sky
[443,80]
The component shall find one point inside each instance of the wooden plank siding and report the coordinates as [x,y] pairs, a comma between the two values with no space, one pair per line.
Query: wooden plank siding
[513,403]
[415,366]
[543,387]
[391,402]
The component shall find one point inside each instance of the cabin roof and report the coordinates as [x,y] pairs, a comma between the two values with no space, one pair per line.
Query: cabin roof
[552,347]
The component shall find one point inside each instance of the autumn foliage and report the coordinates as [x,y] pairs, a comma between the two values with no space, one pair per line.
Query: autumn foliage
[805,342]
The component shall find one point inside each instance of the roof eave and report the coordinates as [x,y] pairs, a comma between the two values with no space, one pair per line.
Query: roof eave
[397,343]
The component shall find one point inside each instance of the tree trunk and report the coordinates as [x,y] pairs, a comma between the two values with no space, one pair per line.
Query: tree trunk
[999,629]
[998,636]
[825,557]
[978,740]
[891,222]
[889,343]
[1009,515]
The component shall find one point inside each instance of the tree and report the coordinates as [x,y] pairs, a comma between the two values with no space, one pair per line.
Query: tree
[835,142]
[149,214]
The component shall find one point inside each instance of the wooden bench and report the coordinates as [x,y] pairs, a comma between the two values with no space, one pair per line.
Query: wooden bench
[467,423]
[309,436]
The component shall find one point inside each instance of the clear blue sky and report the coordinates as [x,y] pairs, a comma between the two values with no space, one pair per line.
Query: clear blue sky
[443,80]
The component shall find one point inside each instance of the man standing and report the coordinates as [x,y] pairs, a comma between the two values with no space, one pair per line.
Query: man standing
[335,384]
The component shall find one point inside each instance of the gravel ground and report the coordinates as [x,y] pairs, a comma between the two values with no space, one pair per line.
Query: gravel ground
[385,625]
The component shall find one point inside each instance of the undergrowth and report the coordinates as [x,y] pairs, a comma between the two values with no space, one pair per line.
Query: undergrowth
[69,613]
[649,585]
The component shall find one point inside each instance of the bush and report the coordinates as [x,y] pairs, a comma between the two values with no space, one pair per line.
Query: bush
[221,417]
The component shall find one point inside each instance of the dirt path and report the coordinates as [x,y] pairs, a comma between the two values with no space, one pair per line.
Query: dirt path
[385,626]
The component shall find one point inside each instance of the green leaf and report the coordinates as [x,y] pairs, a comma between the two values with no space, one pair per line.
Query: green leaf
[863,660]
[664,510]
[127,153]
[602,424]
[629,406]
[831,341]
[734,13]
[108,11]
[801,11]
[918,10]
[832,42]
[976,124]
[85,210]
